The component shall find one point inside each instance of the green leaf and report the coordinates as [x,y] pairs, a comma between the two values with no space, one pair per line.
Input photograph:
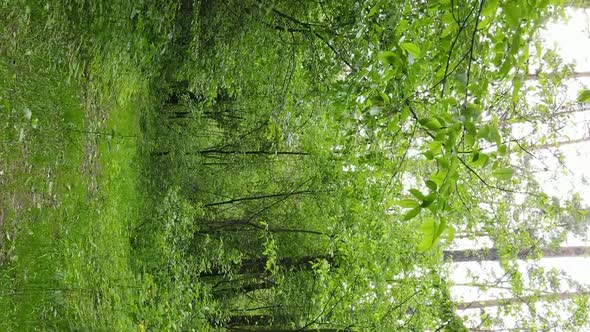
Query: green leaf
[584,96]
[430,123]
[447,18]
[431,232]
[402,27]
[516,83]
[484,132]
[450,234]
[411,48]
[440,137]
[453,166]
[504,173]
[483,24]
[435,147]
[505,68]
[440,229]
[405,114]
[515,43]
[407,203]
[428,229]
[512,10]
[431,185]
[411,214]
[428,200]
[451,28]
[438,178]
[385,97]
[443,162]
[442,119]
[373,11]
[469,140]
[470,127]
[480,159]
[425,244]
[428,154]
[416,193]
[490,8]
[387,57]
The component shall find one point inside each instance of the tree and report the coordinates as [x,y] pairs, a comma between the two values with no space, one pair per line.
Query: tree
[494,254]
[334,148]
[523,299]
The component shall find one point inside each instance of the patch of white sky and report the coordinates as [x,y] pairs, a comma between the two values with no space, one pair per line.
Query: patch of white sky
[571,40]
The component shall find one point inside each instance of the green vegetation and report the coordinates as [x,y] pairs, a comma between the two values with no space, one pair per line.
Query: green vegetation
[265,165]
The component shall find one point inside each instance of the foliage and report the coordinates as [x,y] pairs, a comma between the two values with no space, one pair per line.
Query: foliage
[258,164]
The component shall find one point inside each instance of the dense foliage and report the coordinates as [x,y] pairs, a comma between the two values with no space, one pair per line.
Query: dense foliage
[302,165]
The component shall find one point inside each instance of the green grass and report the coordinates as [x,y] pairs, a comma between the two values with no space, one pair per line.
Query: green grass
[68,190]
[67,238]
[77,105]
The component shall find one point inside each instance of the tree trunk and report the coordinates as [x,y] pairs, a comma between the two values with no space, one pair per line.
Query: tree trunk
[535,76]
[557,145]
[250,320]
[184,19]
[253,198]
[236,152]
[237,225]
[479,255]
[523,299]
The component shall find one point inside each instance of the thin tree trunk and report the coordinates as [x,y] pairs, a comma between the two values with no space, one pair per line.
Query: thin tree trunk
[237,152]
[250,320]
[523,299]
[559,144]
[479,255]
[253,198]
[242,224]
[262,152]
[535,76]
[495,286]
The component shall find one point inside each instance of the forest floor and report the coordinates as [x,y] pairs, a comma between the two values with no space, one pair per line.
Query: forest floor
[69,195]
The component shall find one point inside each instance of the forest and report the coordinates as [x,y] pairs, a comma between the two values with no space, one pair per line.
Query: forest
[284,165]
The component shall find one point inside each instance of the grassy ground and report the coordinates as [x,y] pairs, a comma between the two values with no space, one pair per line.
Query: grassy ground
[88,222]
[69,176]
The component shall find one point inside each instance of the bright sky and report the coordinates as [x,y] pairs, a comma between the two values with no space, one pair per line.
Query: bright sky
[572,42]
